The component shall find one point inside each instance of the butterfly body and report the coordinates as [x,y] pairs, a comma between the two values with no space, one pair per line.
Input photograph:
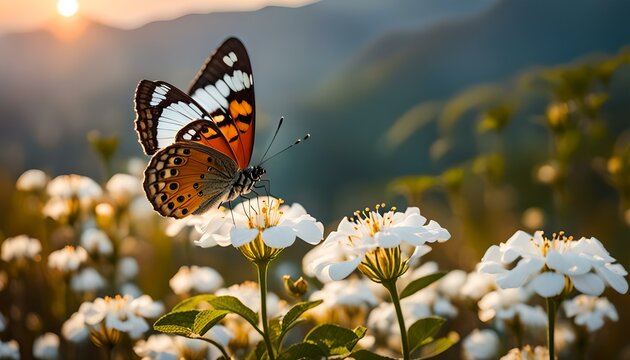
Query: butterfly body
[201,141]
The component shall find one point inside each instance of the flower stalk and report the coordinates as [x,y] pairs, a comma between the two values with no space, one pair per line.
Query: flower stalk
[551,314]
[390,285]
[262,267]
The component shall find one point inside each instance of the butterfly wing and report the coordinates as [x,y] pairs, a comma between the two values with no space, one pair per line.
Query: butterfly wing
[161,111]
[224,87]
[188,178]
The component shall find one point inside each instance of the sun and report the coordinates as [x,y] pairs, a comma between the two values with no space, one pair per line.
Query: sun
[67,8]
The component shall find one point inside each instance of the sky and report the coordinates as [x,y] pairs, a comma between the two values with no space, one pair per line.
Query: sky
[21,15]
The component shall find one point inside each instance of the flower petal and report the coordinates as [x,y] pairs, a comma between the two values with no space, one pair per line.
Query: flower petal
[340,270]
[387,239]
[614,276]
[548,284]
[589,284]
[568,263]
[242,236]
[279,236]
[310,231]
[520,273]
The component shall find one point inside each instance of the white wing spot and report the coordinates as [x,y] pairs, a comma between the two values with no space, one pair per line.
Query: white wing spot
[228,61]
[246,80]
[223,88]
[232,56]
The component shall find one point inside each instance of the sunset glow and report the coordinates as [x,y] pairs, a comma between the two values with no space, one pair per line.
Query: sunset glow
[67,8]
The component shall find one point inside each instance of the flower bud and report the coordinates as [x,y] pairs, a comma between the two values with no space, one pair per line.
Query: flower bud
[295,288]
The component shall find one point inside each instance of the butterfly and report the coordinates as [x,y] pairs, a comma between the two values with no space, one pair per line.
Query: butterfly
[201,141]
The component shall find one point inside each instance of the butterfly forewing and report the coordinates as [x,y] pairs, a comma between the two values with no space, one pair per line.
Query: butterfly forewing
[224,87]
[162,110]
[187,178]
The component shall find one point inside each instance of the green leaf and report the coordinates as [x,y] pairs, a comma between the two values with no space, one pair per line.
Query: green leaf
[177,323]
[192,303]
[294,313]
[234,305]
[420,284]
[206,319]
[423,330]
[367,355]
[302,351]
[275,331]
[189,323]
[333,339]
[438,346]
[259,353]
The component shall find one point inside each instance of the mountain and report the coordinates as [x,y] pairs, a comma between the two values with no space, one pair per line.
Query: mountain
[401,69]
[55,90]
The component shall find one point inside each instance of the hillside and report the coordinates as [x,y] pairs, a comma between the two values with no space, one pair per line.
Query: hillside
[54,91]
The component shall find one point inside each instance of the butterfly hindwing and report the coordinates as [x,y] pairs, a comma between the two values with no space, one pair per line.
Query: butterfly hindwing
[224,87]
[187,178]
[206,133]
[161,111]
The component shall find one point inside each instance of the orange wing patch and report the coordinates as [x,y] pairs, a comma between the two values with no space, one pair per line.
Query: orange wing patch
[243,108]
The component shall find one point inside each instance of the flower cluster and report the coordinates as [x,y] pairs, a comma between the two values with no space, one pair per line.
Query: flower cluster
[105,319]
[554,265]
[379,245]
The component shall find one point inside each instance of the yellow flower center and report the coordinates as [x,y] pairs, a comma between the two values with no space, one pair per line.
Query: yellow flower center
[558,242]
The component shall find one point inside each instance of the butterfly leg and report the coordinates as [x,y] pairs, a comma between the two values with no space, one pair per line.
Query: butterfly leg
[231,212]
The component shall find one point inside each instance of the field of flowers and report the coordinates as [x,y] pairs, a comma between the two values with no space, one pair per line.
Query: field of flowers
[81,259]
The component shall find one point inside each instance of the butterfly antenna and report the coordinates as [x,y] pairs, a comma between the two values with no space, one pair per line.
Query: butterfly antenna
[298,141]
[272,139]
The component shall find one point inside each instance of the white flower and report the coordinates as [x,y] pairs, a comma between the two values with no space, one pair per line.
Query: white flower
[166,347]
[87,280]
[32,180]
[136,166]
[69,195]
[67,259]
[243,334]
[276,223]
[383,322]
[477,285]
[565,337]
[46,346]
[451,284]
[127,268]
[527,353]
[130,289]
[249,294]
[75,329]
[545,264]
[96,242]
[481,345]
[195,278]
[20,247]
[213,226]
[508,304]
[122,188]
[345,302]
[436,297]
[140,210]
[590,311]
[121,313]
[9,350]
[74,186]
[358,240]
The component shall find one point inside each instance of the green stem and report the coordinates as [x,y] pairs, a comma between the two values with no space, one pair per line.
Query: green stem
[218,346]
[262,281]
[551,315]
[391,287]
